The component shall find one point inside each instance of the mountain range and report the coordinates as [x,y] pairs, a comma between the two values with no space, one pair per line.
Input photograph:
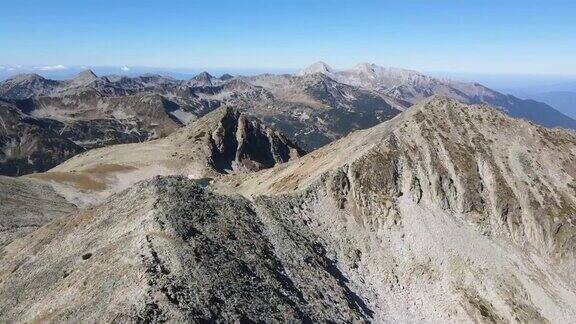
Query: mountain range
[412,87]
[561,96]
[312,108]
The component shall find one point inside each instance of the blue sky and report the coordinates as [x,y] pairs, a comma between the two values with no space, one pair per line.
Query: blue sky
[532,37]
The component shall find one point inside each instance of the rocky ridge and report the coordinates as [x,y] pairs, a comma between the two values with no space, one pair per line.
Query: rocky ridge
[446,212]
[179,253]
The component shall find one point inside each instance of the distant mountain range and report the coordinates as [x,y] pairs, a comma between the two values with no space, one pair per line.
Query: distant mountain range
[313,107]
[564,101]
[61,72]
[412,87]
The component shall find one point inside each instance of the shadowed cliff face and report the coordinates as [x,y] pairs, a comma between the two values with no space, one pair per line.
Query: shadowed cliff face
[243,145]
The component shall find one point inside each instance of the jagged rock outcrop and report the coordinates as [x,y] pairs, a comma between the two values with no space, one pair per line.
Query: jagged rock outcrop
[241,144]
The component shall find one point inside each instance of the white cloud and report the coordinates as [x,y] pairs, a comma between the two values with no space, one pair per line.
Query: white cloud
[2,68]
[51,67]
[125,68]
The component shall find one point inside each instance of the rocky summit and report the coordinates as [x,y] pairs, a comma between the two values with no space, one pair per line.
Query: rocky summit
[445,213]
[411,87]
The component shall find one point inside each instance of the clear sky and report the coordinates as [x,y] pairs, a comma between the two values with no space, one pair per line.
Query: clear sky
[505,36]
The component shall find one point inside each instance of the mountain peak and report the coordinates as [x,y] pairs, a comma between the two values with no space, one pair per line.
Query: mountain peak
[365,67]
[226,76]
[84,77]
[26,77]
[318,67]
[204,75]
[203,79]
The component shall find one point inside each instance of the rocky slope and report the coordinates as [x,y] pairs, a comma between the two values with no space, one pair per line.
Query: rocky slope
[29,144]
[167,250]
[411,87]
[26,205]
[315,109]
[445,213]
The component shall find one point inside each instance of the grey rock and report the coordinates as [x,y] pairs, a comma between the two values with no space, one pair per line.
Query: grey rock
[168,250]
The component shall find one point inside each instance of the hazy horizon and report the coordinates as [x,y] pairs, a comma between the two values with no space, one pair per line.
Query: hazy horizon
[503,81]
[488,37]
